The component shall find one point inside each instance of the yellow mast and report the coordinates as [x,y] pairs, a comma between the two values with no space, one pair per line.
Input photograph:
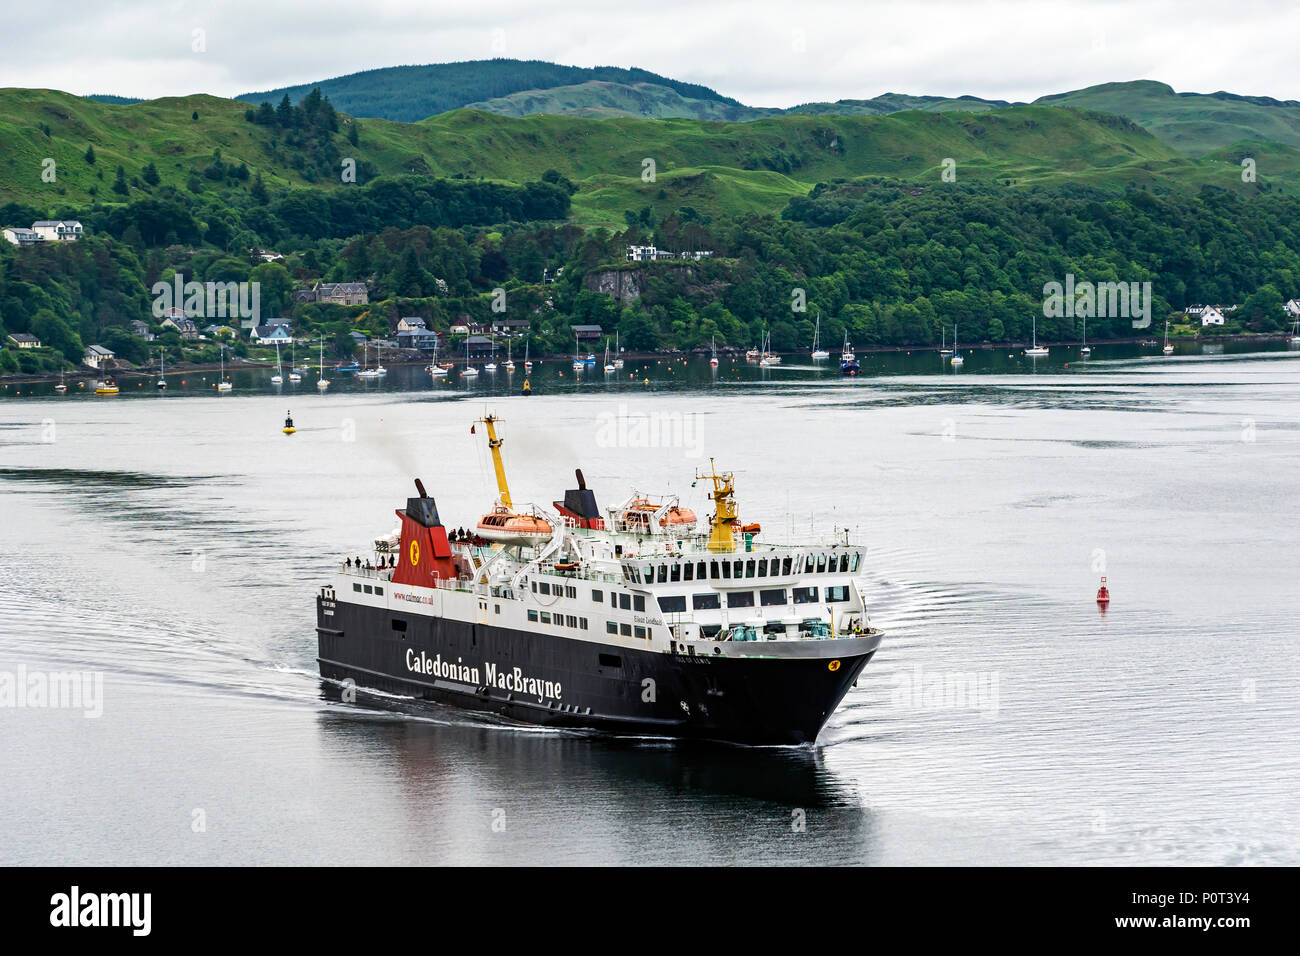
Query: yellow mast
[494,444]
[726,516]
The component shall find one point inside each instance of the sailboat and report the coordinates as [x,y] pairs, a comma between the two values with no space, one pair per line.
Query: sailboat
[713,353]
[510,365]
[848,361]
[322,383]
[1035,348]
[223,384]
[528,366]
[1295,332]
[618,352]
[818,353]
[1168,349]
[469,371]
[943,341]
[768,358]
[293,364]
[366,370]
[956,361]
[1085,350]
[491,366]
[63,385]
[436,370]
[578,363]
[277,378]
[161,384]
[609,366]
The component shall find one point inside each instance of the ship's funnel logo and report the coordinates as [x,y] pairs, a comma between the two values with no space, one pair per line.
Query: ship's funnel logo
[415,551]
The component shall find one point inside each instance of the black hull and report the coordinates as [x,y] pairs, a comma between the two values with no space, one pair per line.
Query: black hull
[746,700]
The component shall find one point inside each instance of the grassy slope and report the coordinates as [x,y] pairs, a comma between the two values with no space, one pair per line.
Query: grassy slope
[719,168]
[1194,124]
[602,100]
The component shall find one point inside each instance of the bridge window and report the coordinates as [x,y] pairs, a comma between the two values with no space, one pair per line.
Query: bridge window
[853,565]
[805,595]
[675,572]
[706,602]
[762,568]
[688,571]
[663,574]
[673,604]
[821,563]
[713,569]
[785,566]
[838,593]
[740,599]
[699,571]
[844,563]
[773,597]
[726,569]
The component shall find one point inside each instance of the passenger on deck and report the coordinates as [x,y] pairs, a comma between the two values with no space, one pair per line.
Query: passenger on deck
[347,563]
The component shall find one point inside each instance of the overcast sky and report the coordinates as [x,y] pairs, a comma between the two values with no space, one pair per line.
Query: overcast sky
[762,52]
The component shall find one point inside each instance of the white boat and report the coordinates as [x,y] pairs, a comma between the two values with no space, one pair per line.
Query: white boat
[277,378]
[1295,332]
[618,352]
[222,384]
[491,366]
[1035,348]
[609,366]
[943,341]
[578,362]
[322,383]
[436,370]
[768,358]
[956,361]
[469,371]
[63,385]
[294,375]
[713,353]
[366,370]
[1167,349]
[528,366]
[1085,350]
[161,384]
[819,354]
[510,365]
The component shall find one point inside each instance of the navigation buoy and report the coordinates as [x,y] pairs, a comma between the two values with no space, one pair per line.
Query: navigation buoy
[1103,593]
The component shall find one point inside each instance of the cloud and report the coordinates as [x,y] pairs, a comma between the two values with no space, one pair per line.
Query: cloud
[764,53]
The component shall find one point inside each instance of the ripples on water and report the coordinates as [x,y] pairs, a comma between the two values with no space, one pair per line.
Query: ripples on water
[176,544]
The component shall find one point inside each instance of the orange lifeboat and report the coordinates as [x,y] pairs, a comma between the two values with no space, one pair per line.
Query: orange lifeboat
[639,513]
[508,527]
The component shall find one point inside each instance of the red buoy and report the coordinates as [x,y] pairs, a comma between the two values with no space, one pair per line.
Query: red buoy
[1103,593]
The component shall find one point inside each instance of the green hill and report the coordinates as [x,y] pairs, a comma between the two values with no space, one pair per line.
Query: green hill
[200,143]
[1192,123]
[602,99]
[410,93]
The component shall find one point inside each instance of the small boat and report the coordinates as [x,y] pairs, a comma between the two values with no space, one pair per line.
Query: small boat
[753,355]
[505,526]
[510,365]
[347,367]
[609,366]
[1295,332]
[1085,350]
[849,364]
[1035,348]
[106,386]
[322,383]
[1168,349]
[618,352]
[223,384]
[956,361]
[819,354]
[277,378]
[579,363]
[288,424]
[62,386]
[528,366]
[161,384]
[943,341]
[491,366]
[469,371]
[366,371]
[768,357]
[294,371]
[713,353]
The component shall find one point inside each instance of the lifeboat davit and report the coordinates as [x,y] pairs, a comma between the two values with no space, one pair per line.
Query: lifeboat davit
[640,512]
[508,527]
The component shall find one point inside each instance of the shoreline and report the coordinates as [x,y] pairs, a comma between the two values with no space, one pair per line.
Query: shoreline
[88,374]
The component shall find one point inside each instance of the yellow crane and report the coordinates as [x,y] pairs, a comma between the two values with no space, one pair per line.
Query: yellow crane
[726,516]
[494,445]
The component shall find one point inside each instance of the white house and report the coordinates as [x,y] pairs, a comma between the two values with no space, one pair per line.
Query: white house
[57,229]
[25,341]
[271,335]
[97,356]
[20,236]
[1211,316]
[1293,307]
[641,253]
[411,323]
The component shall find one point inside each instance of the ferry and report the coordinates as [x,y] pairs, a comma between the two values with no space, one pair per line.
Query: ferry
[642,620]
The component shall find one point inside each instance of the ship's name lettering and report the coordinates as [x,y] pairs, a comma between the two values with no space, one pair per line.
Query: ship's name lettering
[511,679]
